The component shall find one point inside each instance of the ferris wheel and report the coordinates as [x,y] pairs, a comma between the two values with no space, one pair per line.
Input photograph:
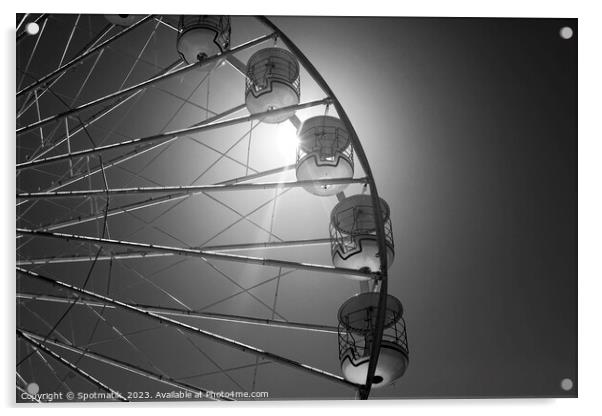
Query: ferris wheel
[195,216]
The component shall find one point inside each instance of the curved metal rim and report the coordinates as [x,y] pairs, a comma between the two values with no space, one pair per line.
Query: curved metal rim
[364,391]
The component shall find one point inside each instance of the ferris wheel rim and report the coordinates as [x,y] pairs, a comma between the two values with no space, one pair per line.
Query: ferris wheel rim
[364,392]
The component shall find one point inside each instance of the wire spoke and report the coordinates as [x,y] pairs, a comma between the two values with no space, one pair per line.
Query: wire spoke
[210,373]
[27,103]
[77,59]
[349,273]
[121,365]
[53,372]
[194,330]
[37,345]
[169,135]
[33,52]
[144,84]
[188,189]
[23,35]
[187,313]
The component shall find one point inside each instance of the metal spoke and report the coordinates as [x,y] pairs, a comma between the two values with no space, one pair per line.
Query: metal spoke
[185,100]
[175,114]
[127,156]
[172,134]
[94,381]
[150,37]
[222,154]
[32,54]
[121,365]
[23,19]
[113,162]
[75,25]
[186,313]
[153,284]
[53,371]
[146,278]
[190,188]
[21,379]
[215,199]
[279,269]
[27,103]
[231,280]
[85,82]
[237,64]
[83,125]
[210,373]
[160,20]
[239,214]
[131,255]
[144,84]
[35,93]
[189,328]
[122,336]
[243,217]
[100,114]
[268,172]
[79,58]
[112,339]
[46,323]
[24,34]
[211,360]
[147,203]
[349,273]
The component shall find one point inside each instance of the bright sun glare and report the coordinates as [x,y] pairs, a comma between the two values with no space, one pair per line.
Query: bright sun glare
[287,142]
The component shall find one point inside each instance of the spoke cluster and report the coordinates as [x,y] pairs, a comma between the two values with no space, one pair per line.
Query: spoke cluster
[85,168]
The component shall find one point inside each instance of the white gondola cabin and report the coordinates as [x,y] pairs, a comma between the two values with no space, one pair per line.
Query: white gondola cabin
[357,319]
[202,36]
[272,83]
[324,152]
[354,244]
